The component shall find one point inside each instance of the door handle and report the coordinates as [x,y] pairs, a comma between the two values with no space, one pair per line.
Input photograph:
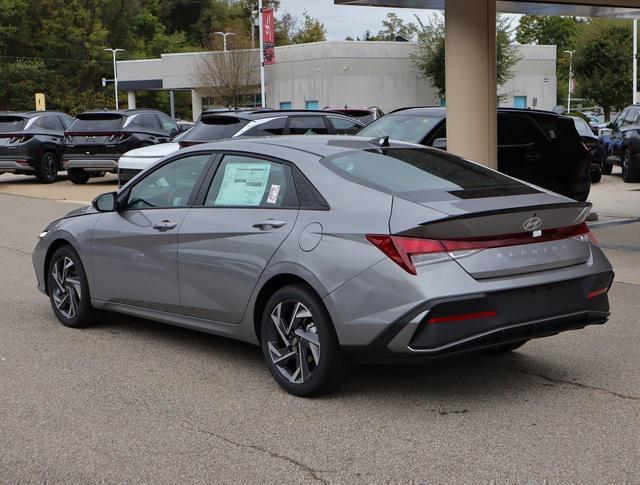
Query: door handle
[165,226]
[269,224]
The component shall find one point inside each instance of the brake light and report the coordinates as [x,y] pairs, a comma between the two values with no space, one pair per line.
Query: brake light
[596,293]
[117,137]
[16,140]
[409,252]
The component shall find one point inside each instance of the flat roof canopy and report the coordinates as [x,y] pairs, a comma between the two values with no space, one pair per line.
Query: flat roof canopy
[583,8]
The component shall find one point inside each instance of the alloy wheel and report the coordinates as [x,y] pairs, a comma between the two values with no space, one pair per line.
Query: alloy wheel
[67,293]
[294,348]
[49,163]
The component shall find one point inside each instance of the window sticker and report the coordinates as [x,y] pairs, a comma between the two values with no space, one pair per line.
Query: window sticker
[243,184]
[273,194]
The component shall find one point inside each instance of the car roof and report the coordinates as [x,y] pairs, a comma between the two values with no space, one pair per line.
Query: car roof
[319,145]
[272,113]
[29,114]
[442,111]
[122,112]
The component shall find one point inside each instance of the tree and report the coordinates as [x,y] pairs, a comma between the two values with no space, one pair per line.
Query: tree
[430,55]
[603,45]
[394,27]
[228,76]
[311,30]
[548,30]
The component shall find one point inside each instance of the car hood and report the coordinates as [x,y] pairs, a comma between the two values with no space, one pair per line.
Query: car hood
[159,150]
[82,211]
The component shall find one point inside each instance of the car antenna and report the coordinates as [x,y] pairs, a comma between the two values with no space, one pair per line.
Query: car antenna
[383,141]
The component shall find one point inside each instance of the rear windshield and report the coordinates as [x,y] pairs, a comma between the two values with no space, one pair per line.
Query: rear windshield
[409,128]
[582,127]
[97,122]
[11,123]
[412,171]
[215,128]
[360,115]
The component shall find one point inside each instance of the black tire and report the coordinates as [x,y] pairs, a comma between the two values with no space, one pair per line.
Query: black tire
[69,290]
[583,187]
[323,363]
[630,173]
[95,175]
[503,349]
[46,169]
[78,176]
[596,175]
[607,168]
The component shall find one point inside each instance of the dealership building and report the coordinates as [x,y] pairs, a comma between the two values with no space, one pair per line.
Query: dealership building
[342,73]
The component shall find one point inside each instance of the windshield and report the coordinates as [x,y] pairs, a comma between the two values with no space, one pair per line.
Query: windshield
[11,123]
[582,127]
[409,128]
[97,122]
[405,171]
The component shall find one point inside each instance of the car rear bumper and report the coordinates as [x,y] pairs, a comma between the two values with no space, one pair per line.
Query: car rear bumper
[447,326]
[99,163]
[16,164]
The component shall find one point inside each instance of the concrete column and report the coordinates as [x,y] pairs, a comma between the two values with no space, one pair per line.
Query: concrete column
[471,80]
[172,105]
[131,99]
[196,104]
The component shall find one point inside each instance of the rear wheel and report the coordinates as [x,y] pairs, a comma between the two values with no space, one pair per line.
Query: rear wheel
[96,175]
[583,187]
[596,174]
[78,175]
[299,343]
[630,173]
[47,168]
[607,168]
[69,290]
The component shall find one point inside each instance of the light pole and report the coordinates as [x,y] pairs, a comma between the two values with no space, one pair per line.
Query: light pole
[635,61]
[570,79]
[224,38]
[115,71]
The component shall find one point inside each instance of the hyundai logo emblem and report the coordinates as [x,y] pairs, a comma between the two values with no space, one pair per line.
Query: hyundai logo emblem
[532,224]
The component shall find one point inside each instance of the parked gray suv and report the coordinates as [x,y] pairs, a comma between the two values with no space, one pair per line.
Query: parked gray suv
[322,247]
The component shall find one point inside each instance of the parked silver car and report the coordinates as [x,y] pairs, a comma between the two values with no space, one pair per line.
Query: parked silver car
[322,247]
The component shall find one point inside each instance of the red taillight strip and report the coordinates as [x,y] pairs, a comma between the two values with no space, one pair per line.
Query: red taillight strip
[515,239]
[463,316]
[596,293]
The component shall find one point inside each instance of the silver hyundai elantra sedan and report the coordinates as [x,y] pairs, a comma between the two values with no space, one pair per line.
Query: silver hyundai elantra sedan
[323,248]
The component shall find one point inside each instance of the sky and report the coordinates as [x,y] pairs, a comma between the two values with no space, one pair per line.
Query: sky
[343,20]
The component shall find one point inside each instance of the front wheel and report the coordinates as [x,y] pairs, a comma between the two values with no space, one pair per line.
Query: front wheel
[299,343]
[47,168]
[69,290]
[78,176]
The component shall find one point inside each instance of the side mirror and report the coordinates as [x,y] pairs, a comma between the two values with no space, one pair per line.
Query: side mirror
[105,202]
[440,143]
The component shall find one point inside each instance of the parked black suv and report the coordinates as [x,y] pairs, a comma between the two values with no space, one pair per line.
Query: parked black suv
[217,125]
[624,145]
[96,139]
[32,143]
[540,147]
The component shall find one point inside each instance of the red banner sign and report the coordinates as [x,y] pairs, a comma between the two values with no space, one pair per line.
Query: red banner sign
[268,36]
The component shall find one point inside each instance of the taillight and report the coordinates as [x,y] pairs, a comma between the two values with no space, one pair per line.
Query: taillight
[16,140]
[409,252]
[117,137]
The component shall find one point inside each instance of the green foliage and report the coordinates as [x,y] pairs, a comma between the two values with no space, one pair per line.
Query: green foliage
[394,26]
[430,55]
[311,30]
[605,44]
[548,30]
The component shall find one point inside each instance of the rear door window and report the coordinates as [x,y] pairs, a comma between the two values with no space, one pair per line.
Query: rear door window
[48,123]
[344,126]
[244,181]
[307,125]
[143,122]
[168,125]
[518,131]
[273,127]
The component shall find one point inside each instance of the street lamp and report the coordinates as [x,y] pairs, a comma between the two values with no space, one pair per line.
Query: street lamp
[224,37]
[570,79]
[115,71]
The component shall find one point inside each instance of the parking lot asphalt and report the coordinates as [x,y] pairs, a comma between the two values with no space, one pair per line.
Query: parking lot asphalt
[135,401]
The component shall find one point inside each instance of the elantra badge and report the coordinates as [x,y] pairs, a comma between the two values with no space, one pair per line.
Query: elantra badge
[532,224]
